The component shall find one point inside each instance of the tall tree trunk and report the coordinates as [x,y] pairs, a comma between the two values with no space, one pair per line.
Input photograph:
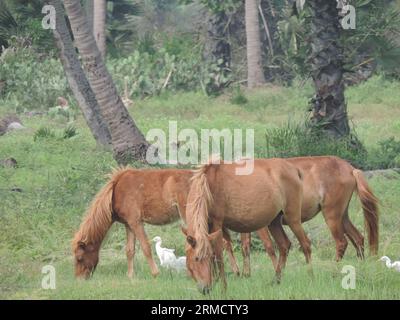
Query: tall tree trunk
[254,60]
[99,25]
[89,9]
[127,140]
[77,79]
[329,106]
[218,46]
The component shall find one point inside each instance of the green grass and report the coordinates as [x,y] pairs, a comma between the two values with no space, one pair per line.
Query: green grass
[59,177]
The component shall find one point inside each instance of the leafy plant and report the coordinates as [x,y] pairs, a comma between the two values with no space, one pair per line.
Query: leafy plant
[44,133]
[69,132]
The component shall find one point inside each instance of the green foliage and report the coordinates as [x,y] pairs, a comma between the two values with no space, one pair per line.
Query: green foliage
[148,75]
[386,155]
[375,38]
[62,114]
[296,140]
[43,133]
[70,132]
[33,83]
[23,20]
[238,97]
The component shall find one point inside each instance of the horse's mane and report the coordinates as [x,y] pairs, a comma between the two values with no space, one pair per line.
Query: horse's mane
[200,200]
[98,218]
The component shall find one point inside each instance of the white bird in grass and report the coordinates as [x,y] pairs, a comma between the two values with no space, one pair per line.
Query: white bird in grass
[167,257]
[395,265]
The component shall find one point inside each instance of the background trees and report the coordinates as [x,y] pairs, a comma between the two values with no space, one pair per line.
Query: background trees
[156,46]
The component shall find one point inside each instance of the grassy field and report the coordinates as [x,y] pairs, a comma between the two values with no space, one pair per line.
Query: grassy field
[58,178]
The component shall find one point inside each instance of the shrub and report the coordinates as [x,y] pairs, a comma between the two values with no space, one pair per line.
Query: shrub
[69,132]
[32,82]
[297,140]
[44,133]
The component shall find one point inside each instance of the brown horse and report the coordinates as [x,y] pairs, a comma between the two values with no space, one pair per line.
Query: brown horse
[133,197]
[328,185]
[218,198]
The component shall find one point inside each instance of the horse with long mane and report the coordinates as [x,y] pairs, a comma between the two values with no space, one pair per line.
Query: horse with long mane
[134,197]
[218,198]
[328,185]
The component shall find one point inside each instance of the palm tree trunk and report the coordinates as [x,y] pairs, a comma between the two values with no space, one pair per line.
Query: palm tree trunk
[127,140]
[99,25]
[77,79]
[89,8]
[329,106]
[254,60]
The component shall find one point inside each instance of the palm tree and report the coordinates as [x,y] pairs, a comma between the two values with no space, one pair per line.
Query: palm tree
[77,79]
[328,106]
[89,8]
[127,140]
[99,24]
[254,59]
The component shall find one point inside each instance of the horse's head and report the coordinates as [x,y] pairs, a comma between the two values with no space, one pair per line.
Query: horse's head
[86,259]
[200,259]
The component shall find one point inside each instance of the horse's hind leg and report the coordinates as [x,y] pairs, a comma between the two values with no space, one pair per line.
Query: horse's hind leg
[130,250]
[229,251]
[333,218]
[292,217]
[246,242]
[268,245]
[354,235]
[283,243]
[138,229]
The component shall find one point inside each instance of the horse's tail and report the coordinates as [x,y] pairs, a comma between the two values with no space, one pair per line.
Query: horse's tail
[369,204]
[199,201]
[98,218]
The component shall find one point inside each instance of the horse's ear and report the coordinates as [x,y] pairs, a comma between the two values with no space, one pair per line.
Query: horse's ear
[215,236]
[191,241]
[184,230]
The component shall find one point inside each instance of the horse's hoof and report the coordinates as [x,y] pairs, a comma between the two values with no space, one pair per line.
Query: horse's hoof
[155,274]
[246,274]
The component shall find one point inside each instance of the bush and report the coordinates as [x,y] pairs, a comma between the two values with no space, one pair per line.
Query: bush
[386,155]
[32,82]
[44,133]
[70,132]
[146,75]
[297,140]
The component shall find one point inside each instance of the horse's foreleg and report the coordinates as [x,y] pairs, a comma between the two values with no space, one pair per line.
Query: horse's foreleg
[246,241]
[229,251]
[138,229]
[268,245]
[219,247]
[130,250]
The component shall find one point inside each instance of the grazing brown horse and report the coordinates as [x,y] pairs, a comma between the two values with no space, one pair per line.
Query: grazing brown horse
[133,197]
[328,185]
[218,198]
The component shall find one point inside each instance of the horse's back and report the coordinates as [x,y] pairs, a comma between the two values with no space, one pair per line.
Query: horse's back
[248,202]
[152,194]
[327,179]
